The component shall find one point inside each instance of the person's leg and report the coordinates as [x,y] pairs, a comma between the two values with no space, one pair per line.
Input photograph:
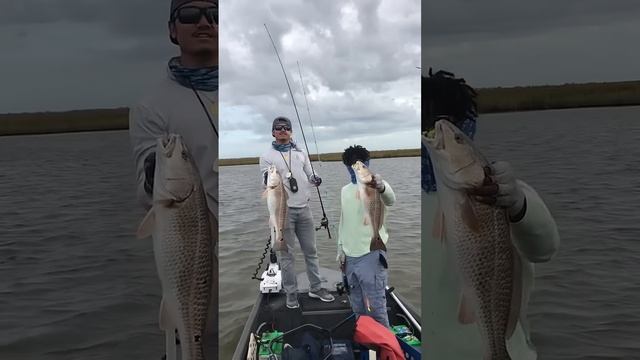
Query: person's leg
[355,290]
[287,259]
[305,230]
[373,280]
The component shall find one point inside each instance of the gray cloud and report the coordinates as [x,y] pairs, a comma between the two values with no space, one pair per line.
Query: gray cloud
[504,43]
[76,54]
[359,70]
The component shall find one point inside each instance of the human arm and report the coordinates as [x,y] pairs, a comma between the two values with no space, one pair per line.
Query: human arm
[386,192]
[312,176]
[536,233]
[340,256]
[145,127]
[264,169]
[534,230]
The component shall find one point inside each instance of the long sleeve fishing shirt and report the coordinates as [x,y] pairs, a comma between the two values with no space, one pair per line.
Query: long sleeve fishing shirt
[354,235]
[173,108]
[295,161]
[444,337]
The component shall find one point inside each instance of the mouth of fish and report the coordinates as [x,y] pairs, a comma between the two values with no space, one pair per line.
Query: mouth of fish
[435,139]
[169,144]
[180,199]
[183,193]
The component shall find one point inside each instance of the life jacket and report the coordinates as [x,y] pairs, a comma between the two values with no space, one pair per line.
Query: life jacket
[372,334]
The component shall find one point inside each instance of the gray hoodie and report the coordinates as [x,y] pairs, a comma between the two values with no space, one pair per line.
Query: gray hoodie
[173,108]
[300,169]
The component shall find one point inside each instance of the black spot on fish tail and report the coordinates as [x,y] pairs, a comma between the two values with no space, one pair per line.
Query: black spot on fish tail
[377,244]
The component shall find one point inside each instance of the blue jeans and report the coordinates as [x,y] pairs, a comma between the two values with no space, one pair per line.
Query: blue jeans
[300,225]
[367,277]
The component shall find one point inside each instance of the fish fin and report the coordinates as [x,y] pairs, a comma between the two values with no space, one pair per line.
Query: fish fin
[264,193]
[466,315]
[438,226]
[516,295]
[146,226]
[164,320]
[366,221]
[214,227]
[469,216]
[377,243]
[358,194]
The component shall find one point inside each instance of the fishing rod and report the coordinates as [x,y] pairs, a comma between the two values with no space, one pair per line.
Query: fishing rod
[324,223]
[309,112]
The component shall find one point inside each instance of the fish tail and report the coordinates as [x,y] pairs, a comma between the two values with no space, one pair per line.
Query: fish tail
[497,350]
[377,243]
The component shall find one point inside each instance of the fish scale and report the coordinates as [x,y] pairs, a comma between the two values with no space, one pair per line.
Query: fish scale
[277,204]
[479,236]
[183,245]
[372,203]
[189,268]
[485,260]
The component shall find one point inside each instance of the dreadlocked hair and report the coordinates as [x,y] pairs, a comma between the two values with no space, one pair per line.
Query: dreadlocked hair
[445,95]
[353,154]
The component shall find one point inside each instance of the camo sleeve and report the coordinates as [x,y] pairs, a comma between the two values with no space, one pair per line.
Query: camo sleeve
[536,234]
[145,126]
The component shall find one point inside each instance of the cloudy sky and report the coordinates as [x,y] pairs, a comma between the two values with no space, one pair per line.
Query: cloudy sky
[358,61]
[78,54]
[505,42]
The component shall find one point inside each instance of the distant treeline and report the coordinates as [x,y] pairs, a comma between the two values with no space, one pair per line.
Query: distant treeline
[67,121]
[331,156]
[490,100]
[494,100]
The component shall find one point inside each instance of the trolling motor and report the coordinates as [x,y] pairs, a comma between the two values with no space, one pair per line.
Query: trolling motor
[272,277]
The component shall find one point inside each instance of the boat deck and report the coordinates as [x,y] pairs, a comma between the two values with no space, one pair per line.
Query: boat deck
[311,311]
[313,318]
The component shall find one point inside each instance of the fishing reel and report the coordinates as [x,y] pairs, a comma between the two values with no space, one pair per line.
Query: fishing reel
[324,223]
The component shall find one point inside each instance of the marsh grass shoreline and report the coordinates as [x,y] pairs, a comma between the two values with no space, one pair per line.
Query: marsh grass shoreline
[329,157]
[490,100]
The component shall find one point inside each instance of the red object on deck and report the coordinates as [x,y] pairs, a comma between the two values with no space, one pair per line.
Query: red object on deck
[372,334]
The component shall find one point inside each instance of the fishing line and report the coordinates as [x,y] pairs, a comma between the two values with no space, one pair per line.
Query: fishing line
[205,109]
[324,223]
[313,132]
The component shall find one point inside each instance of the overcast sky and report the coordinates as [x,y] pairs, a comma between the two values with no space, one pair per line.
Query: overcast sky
[358,61]
[506,42]
[78,54]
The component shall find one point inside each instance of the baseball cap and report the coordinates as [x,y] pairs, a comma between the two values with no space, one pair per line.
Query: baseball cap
[281,120]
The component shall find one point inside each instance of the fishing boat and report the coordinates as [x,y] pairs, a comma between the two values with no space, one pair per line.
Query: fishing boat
[272,327]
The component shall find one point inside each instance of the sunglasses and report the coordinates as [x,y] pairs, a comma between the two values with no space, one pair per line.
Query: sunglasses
[193,14]
[282,127]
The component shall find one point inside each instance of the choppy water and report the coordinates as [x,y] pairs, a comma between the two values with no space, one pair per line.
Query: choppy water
[76,284]
[585,164]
